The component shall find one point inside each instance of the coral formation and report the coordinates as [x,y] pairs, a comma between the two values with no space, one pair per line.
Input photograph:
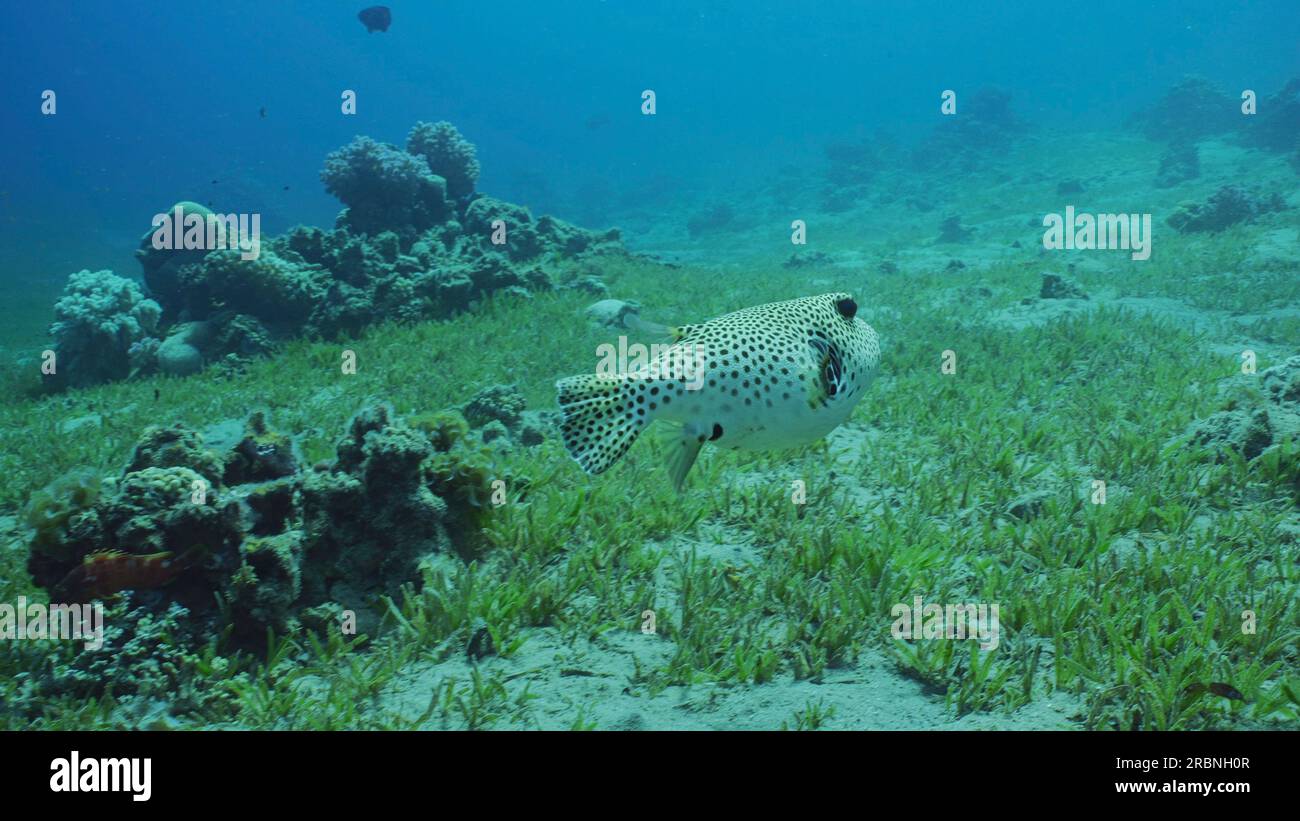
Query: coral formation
[1226,207]
[503,403]
[952,231]
[413,242]
[1276,126]
[810,259]
[1180,163]
[145,653]
[1194,108]
[260,455]
[850,169]
[175,446]
[1056,286]
[263,540]
[97,321]
[384,187]
[447,154]
[983,128]
[162,264]
[710,220]
[1254,421]
[278,291]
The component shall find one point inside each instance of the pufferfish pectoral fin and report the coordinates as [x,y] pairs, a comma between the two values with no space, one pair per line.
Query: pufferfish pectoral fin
[683,443]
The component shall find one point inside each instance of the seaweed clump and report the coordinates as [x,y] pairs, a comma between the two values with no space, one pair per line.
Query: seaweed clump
[50,512]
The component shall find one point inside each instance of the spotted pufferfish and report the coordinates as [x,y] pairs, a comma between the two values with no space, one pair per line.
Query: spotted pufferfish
[774,376]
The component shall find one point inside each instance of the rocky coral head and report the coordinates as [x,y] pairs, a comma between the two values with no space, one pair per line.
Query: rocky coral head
[448,154]
[262,454]
[97,320]
[175,446]
[385,187]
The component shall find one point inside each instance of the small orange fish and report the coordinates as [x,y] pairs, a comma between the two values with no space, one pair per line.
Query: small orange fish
[102,574]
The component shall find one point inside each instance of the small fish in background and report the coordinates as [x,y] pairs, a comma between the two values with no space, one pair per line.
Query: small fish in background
[375,18]
[286,188]
[1218,688]
[103,574]
[261,112]
[596,121]
[772,376]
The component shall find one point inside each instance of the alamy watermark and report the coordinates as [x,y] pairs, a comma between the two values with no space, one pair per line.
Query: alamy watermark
[177,231]
[683,361]
[125,775]
[1086,232]
[60,622]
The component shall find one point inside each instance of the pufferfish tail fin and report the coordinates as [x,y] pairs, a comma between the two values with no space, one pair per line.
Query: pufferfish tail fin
[598,425]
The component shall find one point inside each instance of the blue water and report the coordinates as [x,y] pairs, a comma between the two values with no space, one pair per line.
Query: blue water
[160,101]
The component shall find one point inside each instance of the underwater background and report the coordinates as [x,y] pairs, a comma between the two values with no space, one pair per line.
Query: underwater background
[329,487]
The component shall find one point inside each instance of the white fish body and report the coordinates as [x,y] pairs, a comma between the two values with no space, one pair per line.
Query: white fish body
[772,376]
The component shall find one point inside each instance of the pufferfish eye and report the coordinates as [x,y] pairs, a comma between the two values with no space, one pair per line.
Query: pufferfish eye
[847,308]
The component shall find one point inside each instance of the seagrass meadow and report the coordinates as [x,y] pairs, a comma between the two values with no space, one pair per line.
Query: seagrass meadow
[966,486]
